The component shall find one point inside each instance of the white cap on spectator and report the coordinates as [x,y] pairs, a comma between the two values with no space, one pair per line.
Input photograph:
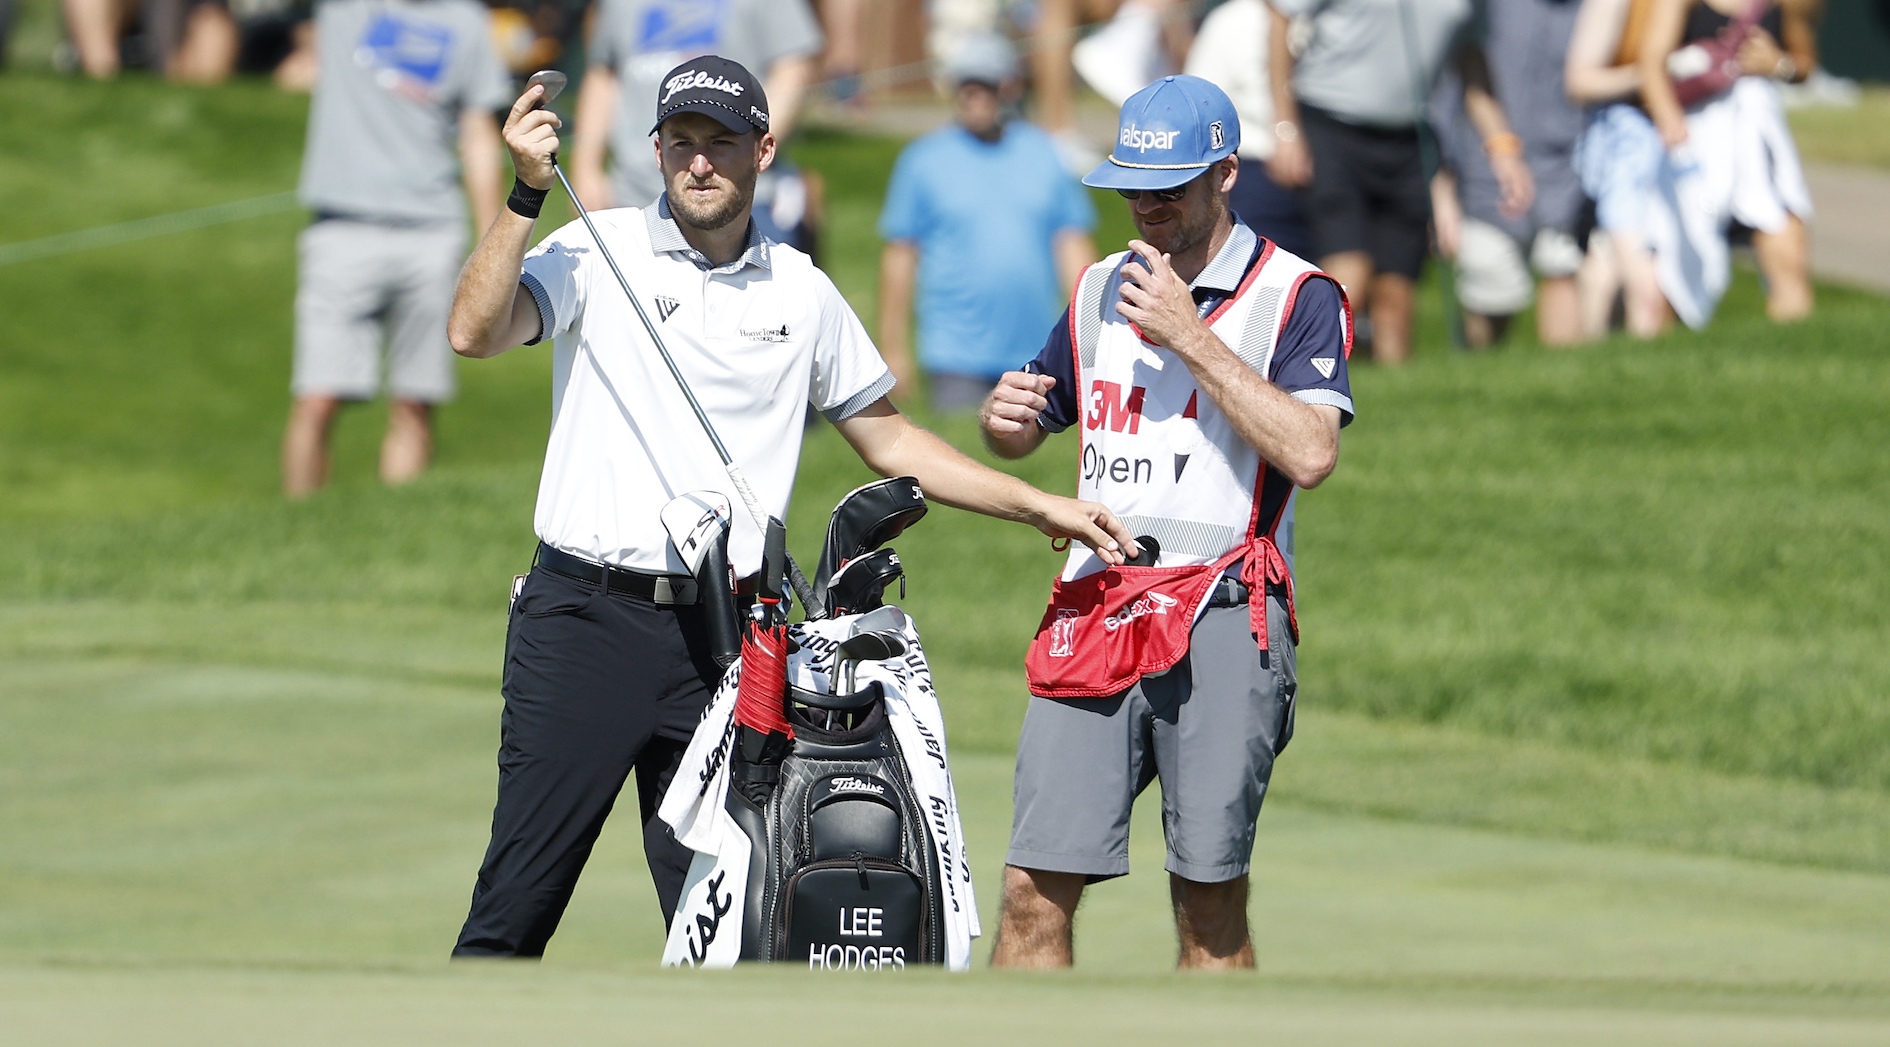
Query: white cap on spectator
[983,58]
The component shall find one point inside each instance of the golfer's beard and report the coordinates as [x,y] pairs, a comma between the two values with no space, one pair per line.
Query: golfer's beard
[714,216]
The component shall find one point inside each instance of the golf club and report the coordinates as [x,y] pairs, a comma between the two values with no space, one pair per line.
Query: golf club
[554,83]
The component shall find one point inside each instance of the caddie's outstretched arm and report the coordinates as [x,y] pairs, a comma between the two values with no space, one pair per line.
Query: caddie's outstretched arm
[891,445]
[491,311]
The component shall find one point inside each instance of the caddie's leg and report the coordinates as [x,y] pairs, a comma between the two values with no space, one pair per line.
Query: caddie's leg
[1080,764]
[1039,911]
[1220,717]
[1211,921]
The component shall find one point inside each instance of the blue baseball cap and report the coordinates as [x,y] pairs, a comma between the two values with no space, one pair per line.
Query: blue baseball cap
[1171,131]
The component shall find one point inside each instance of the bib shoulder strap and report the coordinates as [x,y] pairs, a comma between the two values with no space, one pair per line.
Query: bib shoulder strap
[1087,305]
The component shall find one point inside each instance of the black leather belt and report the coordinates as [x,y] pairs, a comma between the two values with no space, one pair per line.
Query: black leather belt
[659,588]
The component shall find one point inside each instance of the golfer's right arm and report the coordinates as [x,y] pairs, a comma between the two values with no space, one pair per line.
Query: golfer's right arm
[492,312]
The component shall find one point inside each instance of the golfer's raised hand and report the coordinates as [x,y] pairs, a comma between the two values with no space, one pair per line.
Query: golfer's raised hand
[1088,522]
[531,135]
[1157,300]
[1013,407]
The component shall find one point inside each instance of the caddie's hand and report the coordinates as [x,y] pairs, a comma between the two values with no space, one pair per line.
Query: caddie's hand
[1014,405]
[1156,299]
[1088,522]
[531,136]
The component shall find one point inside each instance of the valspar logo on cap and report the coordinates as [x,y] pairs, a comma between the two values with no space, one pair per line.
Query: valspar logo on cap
[698,78]
[1142,141]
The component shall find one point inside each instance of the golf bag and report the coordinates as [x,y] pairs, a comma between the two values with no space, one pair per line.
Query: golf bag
[836,841]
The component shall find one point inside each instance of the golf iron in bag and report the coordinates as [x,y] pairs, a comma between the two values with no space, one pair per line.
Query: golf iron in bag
[816,792]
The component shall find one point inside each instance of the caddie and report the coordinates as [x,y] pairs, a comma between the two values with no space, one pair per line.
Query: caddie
[607,655]
[1205,370]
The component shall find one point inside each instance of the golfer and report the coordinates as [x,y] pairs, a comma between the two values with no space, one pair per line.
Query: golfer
[1206,369]
[607,661]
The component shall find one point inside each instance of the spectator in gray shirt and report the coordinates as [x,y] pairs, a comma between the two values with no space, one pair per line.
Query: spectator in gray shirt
[1350,109]
[402,115]
[636,41]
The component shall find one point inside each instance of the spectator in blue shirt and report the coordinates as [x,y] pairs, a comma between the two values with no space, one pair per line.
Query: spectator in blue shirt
[983,220]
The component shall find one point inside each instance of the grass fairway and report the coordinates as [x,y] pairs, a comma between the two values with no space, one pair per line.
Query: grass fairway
[1592,741]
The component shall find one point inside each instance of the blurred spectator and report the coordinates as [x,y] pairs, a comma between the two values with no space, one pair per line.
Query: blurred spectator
[1230,52]
[7,9]
[983,218]
[1748,163]
[635,42]
[399,84]
[844,21]
[194,41]
[1142,41]
[1526,42]
[1351,109]
[1633,181]
[189,41]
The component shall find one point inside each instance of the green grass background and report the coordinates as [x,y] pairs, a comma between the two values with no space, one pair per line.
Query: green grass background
[1594,722]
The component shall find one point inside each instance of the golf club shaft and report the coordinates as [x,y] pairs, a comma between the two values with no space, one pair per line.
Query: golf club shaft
[801,587]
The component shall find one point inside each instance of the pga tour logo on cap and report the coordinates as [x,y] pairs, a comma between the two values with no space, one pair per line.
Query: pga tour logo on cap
[1216,136]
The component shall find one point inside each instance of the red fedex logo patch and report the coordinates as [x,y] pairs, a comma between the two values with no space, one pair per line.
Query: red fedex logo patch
[1107,406]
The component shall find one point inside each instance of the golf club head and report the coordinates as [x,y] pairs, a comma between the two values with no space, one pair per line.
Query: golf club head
[886,618]
[692,521]
[872,647]
[551,80]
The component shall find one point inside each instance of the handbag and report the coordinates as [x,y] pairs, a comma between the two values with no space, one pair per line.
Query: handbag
[1705,68]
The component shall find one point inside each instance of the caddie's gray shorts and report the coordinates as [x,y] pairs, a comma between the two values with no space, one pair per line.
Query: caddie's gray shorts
[358,279]
[1209,729]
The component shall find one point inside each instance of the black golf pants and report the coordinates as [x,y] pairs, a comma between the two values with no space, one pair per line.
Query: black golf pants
[597,684]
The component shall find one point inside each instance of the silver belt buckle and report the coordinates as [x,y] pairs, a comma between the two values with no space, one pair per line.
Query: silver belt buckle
[671,589]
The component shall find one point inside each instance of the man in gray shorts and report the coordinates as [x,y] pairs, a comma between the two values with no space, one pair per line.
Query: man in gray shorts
[1205,369]
[400,86]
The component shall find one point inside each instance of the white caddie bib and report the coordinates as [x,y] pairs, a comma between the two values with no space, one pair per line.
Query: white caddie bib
[1162,455]
[1155,448]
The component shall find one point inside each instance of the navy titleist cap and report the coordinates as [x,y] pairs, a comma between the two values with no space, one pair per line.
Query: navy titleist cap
[1171,131]
[715,87]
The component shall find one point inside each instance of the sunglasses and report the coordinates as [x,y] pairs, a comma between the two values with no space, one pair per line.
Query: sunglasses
[1167,196]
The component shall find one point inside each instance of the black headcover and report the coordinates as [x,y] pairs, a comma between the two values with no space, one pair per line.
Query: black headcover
[867,518]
